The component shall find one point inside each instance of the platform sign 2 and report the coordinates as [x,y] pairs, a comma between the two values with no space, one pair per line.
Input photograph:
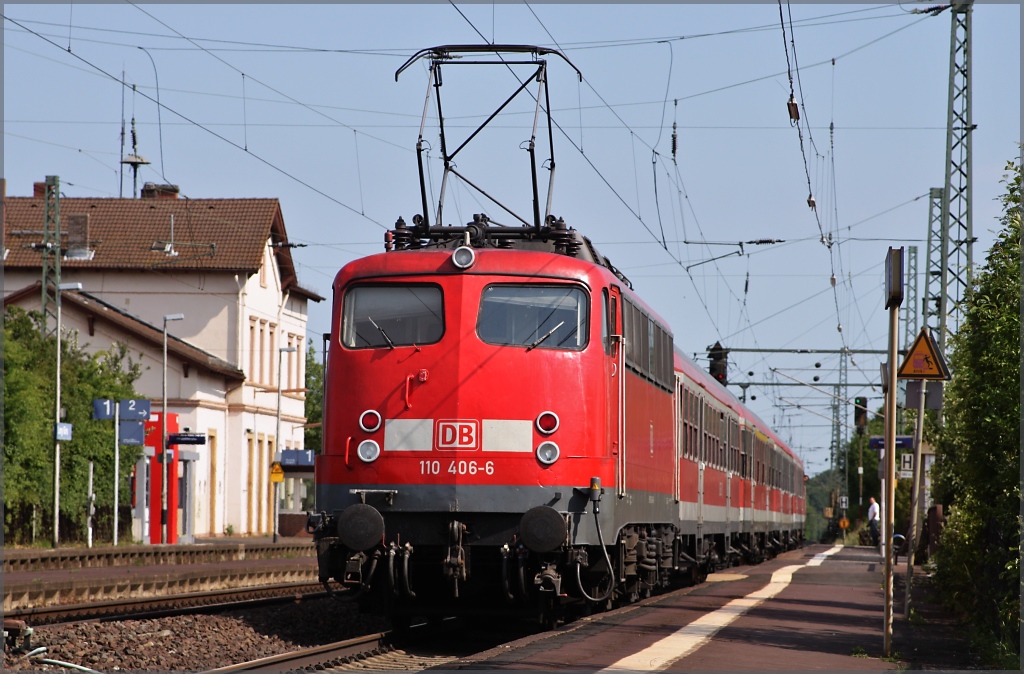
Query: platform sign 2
[136,410]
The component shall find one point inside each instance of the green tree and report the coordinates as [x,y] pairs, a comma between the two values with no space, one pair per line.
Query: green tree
[977,474]
[29,395]
[314,400]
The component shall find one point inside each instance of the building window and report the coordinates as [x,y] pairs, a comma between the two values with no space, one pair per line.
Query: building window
[262,353]
[272,353]
[252,349]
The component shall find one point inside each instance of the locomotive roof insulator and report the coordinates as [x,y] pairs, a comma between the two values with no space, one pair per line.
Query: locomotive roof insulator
[402,234]
[572,246]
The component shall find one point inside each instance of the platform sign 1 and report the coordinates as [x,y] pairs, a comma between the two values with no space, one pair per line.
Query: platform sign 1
[134,409]
[132,433]
[102,409]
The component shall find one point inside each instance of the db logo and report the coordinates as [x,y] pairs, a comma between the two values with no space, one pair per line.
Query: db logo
[457,434]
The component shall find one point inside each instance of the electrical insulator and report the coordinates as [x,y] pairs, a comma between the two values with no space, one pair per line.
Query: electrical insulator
[833,280]
[675,141]
[794,109]
[839,327]
[811,202]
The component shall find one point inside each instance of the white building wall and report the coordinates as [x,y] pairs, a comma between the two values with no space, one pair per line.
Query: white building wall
[243,321]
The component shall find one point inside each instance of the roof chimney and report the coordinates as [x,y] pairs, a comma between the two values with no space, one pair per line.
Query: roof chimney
[154,191]
[78,238]
[38,190]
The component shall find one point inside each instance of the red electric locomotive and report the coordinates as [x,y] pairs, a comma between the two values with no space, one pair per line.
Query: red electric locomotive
[506,421]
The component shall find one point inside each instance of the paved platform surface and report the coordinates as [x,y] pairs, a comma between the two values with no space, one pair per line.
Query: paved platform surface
[818,608]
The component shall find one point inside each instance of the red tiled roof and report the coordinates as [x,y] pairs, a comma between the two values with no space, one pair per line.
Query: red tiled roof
[129,234]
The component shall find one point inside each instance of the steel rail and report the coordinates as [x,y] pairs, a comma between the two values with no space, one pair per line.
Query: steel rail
[166,605]
[374,644]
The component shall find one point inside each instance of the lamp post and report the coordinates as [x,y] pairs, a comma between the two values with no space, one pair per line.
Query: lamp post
[56,436]
[277,448]
[163,437]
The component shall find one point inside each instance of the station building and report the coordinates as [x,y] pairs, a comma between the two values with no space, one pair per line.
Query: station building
[226,265]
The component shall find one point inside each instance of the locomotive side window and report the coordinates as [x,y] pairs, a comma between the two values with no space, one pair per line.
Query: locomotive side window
[606,341]
[534,316]
[392,315]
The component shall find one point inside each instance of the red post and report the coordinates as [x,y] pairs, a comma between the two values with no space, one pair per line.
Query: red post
[155,499]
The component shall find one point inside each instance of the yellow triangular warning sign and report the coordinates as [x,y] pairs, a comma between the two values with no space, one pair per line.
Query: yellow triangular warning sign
[924,360]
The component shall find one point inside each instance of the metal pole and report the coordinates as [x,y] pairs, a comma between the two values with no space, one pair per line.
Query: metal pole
[90,498]
[277,446]
[56,444]
[890,474]
[163,447]
[277,433]
[860,481]
[915,497]
[117,461]
[163,437]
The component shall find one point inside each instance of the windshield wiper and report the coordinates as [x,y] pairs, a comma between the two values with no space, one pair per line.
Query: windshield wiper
[391,344]
[546,335]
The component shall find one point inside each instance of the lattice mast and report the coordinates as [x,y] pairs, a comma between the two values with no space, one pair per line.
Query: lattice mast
[957,228]
[50,248]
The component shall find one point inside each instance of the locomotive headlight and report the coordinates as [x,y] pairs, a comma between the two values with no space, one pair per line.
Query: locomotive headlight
[368,451]
[369,421]
[463,257]
[547,422]
[547,452]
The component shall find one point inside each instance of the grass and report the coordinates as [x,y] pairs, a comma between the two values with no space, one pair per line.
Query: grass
[915,619]
[858,652]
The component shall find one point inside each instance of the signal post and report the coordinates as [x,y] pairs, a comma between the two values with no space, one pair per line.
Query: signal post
[924,362]
[893,300]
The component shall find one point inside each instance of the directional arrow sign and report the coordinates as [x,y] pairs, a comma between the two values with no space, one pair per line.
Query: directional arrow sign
[134,409]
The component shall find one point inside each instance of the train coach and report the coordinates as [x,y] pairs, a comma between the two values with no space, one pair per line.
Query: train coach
[507,424]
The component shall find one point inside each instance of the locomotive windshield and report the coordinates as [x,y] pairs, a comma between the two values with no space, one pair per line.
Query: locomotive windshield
[392,315]
[534,316]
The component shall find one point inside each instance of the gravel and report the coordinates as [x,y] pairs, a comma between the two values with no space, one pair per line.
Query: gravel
[197,642]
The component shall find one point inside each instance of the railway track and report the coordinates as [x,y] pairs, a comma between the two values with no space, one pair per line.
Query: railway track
[421,647]
[168,605]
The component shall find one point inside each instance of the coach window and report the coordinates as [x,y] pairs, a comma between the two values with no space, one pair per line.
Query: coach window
[534,316]
[392,315]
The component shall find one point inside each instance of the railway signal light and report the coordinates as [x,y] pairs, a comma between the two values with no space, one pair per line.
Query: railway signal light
[719,363]
[860,414]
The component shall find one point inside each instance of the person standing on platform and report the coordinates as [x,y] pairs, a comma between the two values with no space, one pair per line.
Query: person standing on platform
[873,518]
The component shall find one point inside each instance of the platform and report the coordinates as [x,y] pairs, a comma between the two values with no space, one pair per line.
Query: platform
[818,608]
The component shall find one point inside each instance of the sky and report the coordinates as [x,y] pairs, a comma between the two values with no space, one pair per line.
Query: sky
[301,103]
